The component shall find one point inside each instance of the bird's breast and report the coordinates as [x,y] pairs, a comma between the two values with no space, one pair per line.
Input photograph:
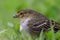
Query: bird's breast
[24,24]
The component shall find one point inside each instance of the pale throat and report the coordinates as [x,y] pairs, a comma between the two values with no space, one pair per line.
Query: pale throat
[23,23]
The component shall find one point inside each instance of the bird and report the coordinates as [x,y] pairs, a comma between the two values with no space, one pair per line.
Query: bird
[34,22]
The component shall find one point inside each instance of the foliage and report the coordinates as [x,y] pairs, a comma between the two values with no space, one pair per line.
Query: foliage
[9,27]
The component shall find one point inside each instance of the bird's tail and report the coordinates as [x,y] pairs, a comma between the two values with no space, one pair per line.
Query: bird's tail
[56,26]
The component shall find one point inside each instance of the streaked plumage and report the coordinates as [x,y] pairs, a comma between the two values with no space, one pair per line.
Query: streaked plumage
[33,22]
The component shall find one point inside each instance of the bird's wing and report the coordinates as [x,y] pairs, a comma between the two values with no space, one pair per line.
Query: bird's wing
[38,26]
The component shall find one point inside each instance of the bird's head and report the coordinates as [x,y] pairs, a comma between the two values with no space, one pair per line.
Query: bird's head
[25,13]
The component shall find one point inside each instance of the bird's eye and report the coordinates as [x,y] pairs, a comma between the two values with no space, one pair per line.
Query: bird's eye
[21,13]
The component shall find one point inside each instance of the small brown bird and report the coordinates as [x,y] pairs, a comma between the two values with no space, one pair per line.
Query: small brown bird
[33,22]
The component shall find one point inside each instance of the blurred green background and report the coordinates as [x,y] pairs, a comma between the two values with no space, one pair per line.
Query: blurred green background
[9,27]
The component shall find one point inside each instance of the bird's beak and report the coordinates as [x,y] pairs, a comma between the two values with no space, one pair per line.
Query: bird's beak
[15,16]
